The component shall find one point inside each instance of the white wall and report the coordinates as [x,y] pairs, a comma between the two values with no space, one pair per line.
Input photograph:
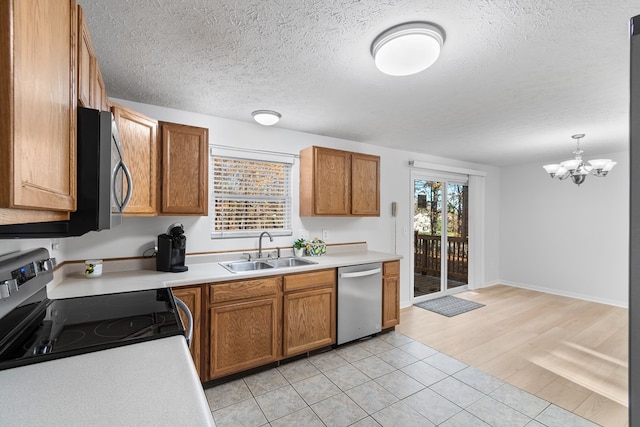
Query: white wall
[12,245]
[539,233]
[564,239]
[385,234]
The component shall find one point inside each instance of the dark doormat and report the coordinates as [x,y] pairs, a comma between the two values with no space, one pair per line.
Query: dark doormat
[449,306]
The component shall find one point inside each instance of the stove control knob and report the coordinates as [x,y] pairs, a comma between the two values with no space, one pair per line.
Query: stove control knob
[7,286]
[45,265]
[13,284]
[4,290]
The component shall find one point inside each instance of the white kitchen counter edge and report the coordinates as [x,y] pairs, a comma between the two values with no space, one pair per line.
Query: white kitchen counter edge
[76,285]
[153,383]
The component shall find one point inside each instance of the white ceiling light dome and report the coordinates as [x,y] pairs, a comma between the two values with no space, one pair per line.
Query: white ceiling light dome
[407,48]
[266,117]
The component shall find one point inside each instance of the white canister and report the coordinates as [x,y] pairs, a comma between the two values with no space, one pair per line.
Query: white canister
[92,268]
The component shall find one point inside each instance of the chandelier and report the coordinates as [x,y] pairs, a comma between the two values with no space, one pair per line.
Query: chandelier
[577,169]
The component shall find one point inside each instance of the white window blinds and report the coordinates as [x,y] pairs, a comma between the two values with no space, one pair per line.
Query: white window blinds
[249,196]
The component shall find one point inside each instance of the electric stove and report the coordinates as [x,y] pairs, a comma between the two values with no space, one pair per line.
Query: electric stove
[34,328]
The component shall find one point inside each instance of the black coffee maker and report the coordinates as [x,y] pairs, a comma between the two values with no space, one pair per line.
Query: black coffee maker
[171,249]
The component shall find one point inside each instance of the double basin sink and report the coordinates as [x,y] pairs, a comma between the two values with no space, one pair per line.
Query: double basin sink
[264,264]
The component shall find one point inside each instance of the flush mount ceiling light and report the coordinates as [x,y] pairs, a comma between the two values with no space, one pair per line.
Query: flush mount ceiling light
[266,117]
[407,48]
[577,169]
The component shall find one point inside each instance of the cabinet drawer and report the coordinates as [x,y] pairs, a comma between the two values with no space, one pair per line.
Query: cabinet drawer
[314,279]
[244,289]
[391,268]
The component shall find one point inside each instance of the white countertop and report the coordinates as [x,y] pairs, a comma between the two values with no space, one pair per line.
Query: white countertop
[76,285]
[147,384]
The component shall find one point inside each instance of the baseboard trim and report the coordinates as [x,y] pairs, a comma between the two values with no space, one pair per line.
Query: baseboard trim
[623,304]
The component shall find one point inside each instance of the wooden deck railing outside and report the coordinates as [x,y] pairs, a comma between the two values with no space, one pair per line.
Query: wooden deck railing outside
[427,250]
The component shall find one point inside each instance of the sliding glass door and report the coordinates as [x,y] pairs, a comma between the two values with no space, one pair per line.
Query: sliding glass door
[441,236]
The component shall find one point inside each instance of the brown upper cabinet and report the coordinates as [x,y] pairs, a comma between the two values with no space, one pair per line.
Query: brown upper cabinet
[365,185]
[172,179]
[139,138]
[100,99]
[91,90]
[339,183]
[85,56]
[38,115]
[184,169]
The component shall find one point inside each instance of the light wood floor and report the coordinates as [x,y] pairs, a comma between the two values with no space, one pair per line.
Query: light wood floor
[570,352]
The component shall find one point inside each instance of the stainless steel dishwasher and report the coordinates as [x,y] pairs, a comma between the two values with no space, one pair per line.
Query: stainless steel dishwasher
[359,301]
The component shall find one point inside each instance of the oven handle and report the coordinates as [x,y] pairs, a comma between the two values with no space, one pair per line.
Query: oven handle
[181,305]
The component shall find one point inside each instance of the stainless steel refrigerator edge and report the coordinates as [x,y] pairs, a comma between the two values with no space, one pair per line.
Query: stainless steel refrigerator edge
[634,227]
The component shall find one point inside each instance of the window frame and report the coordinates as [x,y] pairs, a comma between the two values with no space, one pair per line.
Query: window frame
[250,156]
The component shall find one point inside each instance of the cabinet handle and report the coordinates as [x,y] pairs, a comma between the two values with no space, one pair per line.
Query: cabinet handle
[360,273]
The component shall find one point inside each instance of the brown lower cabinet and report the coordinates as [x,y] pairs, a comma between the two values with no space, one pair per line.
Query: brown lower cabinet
[244,325]
[309,311]
[390,294]
[192,297]
[254,322]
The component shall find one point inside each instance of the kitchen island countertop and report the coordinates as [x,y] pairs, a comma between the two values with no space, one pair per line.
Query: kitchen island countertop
[201,270]
[153,383]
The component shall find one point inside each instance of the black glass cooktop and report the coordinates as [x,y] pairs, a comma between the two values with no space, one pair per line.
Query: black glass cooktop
[44,329]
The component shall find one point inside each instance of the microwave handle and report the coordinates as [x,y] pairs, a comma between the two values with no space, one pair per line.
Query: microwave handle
[127,174]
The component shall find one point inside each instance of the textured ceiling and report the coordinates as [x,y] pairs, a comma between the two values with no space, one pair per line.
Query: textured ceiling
[516,78]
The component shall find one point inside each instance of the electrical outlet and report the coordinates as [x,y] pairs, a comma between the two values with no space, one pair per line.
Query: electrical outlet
[325,235]
[304,234]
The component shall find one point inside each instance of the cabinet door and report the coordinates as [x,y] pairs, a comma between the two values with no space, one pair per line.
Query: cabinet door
[309,320]
[38,96]
[100,100]
[325,182]
[185,171]
[192,297]
[86,56]
[365,185]
[243,335]
[138,135]
[391,294]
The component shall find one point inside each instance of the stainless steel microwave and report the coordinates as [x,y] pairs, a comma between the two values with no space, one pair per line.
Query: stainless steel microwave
[104,182]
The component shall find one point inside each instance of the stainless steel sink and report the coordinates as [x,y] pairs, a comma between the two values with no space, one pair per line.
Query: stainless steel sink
[235,266]
[243,265]
[289,262]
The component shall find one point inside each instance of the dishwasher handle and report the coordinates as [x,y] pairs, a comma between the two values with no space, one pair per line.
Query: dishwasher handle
[360,273]
[181,305]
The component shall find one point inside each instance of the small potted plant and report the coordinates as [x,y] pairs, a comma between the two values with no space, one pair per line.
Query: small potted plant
[299,247]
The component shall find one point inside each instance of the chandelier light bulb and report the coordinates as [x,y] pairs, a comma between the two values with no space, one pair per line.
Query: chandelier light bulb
[576,168]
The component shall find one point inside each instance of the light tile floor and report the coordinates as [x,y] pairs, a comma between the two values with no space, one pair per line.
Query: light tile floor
[389,380]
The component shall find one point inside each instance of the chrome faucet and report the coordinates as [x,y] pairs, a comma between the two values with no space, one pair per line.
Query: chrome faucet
[260,242]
